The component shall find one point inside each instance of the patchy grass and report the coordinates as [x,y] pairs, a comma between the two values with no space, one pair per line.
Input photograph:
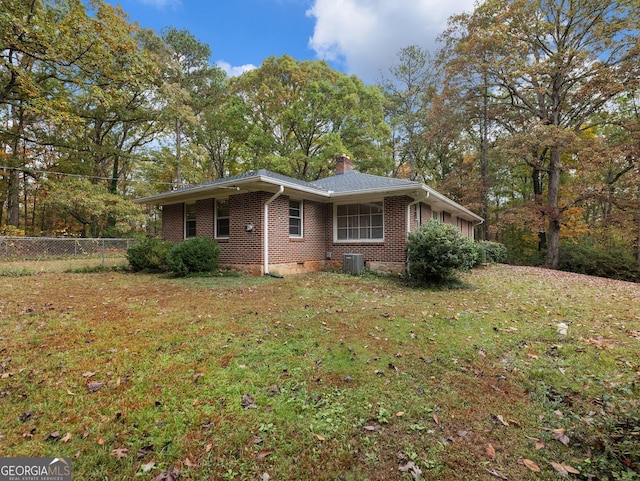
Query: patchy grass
[322,376]
[86,264]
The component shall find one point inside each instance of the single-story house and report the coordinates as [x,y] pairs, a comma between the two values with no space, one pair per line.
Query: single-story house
[268,223]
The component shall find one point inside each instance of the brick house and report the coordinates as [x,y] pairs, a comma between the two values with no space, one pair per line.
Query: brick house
[309,225]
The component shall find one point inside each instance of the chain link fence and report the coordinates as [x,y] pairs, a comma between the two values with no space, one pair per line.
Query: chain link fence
[40,249]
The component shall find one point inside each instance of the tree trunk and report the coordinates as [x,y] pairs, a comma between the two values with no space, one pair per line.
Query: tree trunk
[638,228]
[536,176]
[178,160]
[484,159]
[13,200]
[553,210]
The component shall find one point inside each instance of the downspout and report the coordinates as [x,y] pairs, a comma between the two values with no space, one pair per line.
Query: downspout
[411,204]
[265,229]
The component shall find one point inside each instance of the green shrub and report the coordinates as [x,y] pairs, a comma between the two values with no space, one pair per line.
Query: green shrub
[494,252]
[198,254]
[436,250]
[149,255]
[585,257]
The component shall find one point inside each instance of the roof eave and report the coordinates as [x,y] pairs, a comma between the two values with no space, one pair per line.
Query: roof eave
[196,193]
[411,191]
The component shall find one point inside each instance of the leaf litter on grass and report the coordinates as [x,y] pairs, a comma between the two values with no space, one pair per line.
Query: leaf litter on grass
[477,368]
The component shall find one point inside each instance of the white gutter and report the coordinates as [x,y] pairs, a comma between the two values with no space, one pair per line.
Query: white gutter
[411,204]
[265,228]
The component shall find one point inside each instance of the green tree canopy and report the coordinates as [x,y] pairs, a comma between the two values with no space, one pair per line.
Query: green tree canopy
[302,114]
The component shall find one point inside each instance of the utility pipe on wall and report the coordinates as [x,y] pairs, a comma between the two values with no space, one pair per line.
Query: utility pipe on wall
[265,229]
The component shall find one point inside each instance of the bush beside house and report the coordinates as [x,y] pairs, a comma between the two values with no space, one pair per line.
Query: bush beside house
[149,255]
[194,255]
[437,250]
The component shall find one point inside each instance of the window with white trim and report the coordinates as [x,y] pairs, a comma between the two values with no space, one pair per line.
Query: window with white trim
[222,218]
[189,220]
[295,218]
[359,222]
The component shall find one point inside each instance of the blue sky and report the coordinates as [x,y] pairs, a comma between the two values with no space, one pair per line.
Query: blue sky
[360,37]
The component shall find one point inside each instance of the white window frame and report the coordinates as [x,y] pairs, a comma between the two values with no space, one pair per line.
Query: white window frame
[217,218]
[300,218]
[187,220]
[377,240]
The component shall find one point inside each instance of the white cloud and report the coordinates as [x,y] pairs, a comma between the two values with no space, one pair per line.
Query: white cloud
[366,35]
[234,71]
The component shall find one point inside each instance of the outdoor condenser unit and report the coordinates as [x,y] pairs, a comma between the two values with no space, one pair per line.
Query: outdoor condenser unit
[353,263]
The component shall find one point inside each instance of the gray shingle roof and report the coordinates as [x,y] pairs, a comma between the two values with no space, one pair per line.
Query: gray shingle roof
[252,174]
[352,181]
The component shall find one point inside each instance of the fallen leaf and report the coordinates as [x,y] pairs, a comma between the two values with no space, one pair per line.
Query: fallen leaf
[144,451]
[560,468]
[54,436]
[502,421]
[66,438]
[247,402]
[208,448]
[571,469]
[95,386]
[374,427]
[89,374]
[560,435]
[265,477]
[189,463]
[119,453]
[146,468]
[491,451]
[496,474]
[531,465]
[70,393]
[263,454]
[436,419]
[411,468]
[101,441]
[400,414]
[168,476]
[320,438]
[25,415]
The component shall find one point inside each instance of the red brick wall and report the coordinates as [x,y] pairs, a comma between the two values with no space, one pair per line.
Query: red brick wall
[173,222]
[244,247]
[426,212]
[205,218]
[310,247]
[395,235]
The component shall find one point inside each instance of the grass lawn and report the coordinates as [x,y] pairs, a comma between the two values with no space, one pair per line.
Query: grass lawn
[322,376]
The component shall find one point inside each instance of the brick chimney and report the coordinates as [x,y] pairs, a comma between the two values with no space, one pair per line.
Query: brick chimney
[343,164]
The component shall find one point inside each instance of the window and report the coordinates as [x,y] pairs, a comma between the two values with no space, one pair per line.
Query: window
[222,218]
[295,218]
[189,220]
[360,222]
